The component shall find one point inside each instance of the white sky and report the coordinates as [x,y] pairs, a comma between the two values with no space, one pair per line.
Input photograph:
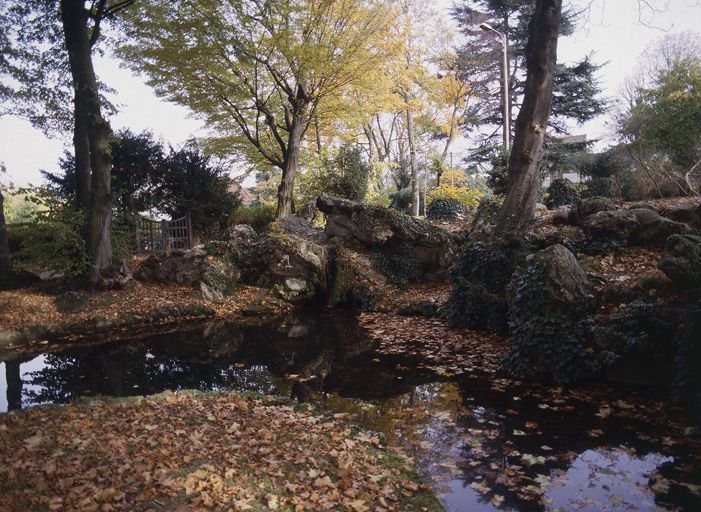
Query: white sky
[614,34]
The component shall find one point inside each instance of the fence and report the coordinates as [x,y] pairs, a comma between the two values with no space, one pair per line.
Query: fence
[163,235]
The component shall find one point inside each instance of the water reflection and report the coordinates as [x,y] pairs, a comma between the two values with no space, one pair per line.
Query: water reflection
[481,445]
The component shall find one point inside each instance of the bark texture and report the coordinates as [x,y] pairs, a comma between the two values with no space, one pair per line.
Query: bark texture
[285,199]
[91,127]
[532,120]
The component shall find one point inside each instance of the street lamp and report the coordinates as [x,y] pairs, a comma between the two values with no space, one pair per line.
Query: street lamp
[507,117]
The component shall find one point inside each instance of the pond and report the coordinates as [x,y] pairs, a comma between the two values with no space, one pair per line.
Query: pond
[482,444]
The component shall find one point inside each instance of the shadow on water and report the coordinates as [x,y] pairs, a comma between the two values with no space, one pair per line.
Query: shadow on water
[482,445]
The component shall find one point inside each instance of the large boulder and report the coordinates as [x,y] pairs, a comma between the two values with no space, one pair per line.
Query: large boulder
[688,212]
[640,226]
[681,261]
[653,229]
[386,230]
[292,258]
[616,224]
[590,206]
[550,301]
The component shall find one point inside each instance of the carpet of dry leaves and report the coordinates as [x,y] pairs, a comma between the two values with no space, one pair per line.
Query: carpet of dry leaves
[443,350]
[30,307]
[192,451]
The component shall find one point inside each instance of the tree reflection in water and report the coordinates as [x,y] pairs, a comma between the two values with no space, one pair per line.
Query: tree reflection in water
[480,444]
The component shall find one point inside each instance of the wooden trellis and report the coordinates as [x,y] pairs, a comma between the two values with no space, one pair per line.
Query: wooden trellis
[163,235]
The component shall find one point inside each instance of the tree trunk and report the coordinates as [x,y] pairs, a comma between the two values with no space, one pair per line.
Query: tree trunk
[372,150]
[81,150]
[415,190]
[5,261]
[532,120]
[285,199]
[14,384]
[99,134]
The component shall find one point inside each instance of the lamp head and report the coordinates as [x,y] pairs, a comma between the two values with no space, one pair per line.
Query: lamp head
[486,26]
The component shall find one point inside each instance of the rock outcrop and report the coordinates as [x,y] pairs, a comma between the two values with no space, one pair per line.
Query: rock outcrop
[384,229]
[639,226]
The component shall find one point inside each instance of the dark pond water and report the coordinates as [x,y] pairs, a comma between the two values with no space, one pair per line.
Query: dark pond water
[482,445]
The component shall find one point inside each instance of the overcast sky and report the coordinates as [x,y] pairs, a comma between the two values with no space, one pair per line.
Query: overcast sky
[615,33]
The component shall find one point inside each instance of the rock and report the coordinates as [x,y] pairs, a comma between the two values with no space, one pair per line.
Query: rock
[653,230]
[384,229]
[647,206]
[295,285]
[211,294]
[195,252]
[242,232]
[551,296]
[590,206]
[191,268]
[681,261]
[616,224]
[308,211]
[688,212]
[485,220]
[561,216]
[355,282]
[292,259]
[540,208]
[565,284]
[121,279]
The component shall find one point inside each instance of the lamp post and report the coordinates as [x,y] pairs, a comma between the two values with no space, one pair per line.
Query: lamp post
[505,74]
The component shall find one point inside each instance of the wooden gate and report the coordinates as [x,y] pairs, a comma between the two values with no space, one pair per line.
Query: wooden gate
[163,235]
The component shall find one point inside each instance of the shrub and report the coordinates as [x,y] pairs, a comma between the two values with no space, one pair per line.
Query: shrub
[52,239]
[258,216]
[469,198]
[446,210]
[598,187]
[400,200]
[561,192]
[351,174]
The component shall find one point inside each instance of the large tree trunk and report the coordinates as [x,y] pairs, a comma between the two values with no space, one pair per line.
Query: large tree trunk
[415,190]
[532,120]
[88,110]
[81,150]
[14,384]
[285,198]
[5,262]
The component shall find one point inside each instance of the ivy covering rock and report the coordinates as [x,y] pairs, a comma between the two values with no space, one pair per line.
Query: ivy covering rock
[549,307]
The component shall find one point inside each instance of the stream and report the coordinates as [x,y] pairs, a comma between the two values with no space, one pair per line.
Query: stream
[481,444]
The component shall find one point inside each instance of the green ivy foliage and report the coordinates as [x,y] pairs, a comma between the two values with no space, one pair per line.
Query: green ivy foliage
[561,192]
[547,342]
[398,263]
[480,278]
[446,210]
